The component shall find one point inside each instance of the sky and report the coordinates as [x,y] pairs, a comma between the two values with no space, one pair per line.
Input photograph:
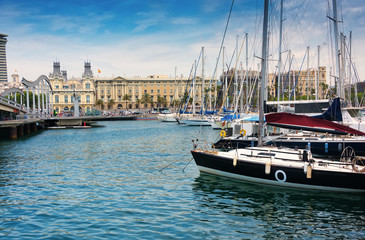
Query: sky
[139,38]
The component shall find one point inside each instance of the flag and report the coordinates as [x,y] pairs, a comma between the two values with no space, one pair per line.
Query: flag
[99,71]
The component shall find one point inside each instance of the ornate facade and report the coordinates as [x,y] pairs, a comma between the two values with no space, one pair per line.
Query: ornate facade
[65,89]
[120,92]
[155,86]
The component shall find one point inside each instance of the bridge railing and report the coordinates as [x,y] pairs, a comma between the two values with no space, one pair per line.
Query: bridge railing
[11,103]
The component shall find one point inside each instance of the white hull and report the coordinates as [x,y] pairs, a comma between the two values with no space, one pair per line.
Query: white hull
[170,117]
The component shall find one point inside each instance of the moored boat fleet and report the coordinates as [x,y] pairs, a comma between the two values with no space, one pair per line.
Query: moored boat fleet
[323,152]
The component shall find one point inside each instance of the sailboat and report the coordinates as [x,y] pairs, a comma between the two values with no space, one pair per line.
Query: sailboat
[332,142]
[295,168]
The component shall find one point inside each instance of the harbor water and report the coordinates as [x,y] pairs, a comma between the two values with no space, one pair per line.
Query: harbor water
[133,180]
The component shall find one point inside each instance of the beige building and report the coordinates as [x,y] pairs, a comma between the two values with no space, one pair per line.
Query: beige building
[125,93]
[301,79]
[65,90]
[155,86]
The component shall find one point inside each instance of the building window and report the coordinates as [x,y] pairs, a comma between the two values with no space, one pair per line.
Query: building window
[151,90]
[145,91]
[136,91]
[158,90]
[164,91]
[119,91]
[66,99]
[87,85]
[119,98]
[87,98]
[130,91]
[170,90]
[57,87]
[73,86]
[57,99]
[108,91]
[102,91]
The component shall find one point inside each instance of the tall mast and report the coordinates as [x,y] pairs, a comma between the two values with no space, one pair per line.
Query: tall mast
[194,80]
[246,35]
[263,74]
[337,53]
[289,85]
[280,39]
[317,78]
[350,73]
[203,84]
[235,75]
[307,73]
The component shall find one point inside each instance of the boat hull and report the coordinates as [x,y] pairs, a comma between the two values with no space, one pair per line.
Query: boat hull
[279,175]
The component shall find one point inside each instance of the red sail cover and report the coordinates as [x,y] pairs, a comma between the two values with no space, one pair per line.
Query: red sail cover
[301,122]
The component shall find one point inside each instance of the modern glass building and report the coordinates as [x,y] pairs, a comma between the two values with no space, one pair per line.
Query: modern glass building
[3,69]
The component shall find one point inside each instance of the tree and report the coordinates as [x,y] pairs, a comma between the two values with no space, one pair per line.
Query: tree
[99,103]
[159,100]
[175,103]
[146,99]
[164,102]
[127,98]
[139,102]
[111,103]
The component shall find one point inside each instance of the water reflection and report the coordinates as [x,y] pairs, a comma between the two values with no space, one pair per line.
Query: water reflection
[273,211]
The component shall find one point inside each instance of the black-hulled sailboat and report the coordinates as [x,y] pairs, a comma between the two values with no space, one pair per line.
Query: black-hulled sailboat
[282,167]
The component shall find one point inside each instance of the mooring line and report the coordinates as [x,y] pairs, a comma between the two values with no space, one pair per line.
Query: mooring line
[188,164]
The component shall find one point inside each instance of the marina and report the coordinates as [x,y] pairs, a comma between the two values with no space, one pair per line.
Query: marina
[131,179]
[253,135]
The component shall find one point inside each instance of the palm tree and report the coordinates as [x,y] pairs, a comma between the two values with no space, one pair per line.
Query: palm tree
[127,98]
[146,99]
[111,103]
[159,100]
[99,103]
[139,102]
[164,102]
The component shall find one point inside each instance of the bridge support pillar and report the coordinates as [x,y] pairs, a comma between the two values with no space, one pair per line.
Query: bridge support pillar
[27,128]
[33,127]
[13,133]
[20,130]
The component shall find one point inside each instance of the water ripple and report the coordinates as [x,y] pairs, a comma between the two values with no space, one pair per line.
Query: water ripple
[111,183]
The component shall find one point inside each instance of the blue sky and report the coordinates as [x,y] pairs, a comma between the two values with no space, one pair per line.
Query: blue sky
[140,38]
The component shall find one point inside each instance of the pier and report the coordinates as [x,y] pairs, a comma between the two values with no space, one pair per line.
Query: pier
[25,124]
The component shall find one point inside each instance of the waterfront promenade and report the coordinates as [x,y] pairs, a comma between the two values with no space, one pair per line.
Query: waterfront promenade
[13,129]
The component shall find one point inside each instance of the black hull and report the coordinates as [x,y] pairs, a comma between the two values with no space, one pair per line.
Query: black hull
[333,149]
[279,175]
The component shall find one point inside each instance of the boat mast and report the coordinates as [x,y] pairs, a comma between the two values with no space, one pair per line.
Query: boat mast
[246,36]
[317,78]
[235,95]
[263,74]
[350,73]
[307,73]
[194,79]
[202,103]
[337,53]
[280,39]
